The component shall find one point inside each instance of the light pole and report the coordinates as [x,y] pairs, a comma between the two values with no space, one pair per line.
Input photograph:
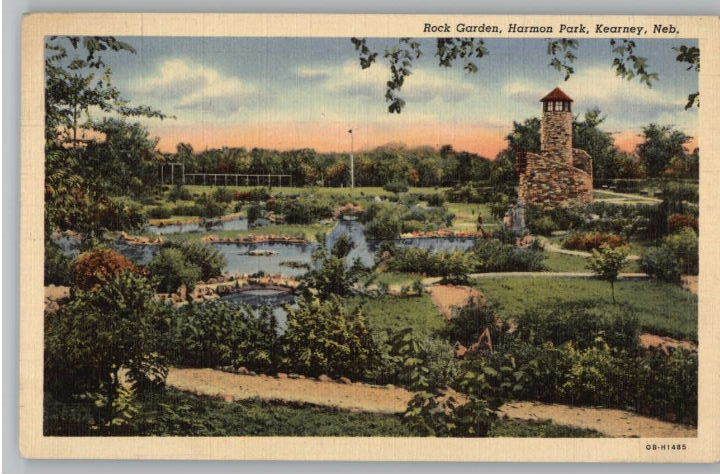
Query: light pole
[352,161]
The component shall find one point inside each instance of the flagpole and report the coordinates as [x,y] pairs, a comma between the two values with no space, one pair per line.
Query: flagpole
[352,161]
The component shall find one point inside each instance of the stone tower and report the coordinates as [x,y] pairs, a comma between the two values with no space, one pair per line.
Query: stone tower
[556,125]
[559,173]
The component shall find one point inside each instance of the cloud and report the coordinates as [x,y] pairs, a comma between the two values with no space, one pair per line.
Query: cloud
[185,85]
[312,74]
[423,85]
[598,86]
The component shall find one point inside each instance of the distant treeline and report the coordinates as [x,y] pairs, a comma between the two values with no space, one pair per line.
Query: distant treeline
[419,166]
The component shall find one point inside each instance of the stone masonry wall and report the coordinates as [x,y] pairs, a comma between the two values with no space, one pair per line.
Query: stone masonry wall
[549,179]
[556,134]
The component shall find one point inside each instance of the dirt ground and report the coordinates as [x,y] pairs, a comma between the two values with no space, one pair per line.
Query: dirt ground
[354,396]
[446,297]
[367,398]
[690,283]
[648,340]
[614,423]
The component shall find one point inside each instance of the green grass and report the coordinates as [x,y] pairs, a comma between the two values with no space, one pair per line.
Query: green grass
[661,308]
[561,262]
[466,216]
[175,413]
[397,278]
[538,429]
[395,313]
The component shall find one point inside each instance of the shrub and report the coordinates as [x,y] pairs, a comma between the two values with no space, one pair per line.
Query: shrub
[95,267]
[594,378]
[223,194]
[441,414]
[187,210]
[330,276]
[160,212]
[581,322]
[453,266]
[679,221]
[209,206]
[220,334]
[542,226]
[587,241]
[206,257]
[120,214]
[661,264]
[254,212]
[179,193]
[545,220]
[303,209]
[667,385]
[171,269]
[325,337]
[434,199]
[684,245]
[396,187]
[87,341]
[386,221]
[469,321]
[492,255]
[253,194]
[58,267]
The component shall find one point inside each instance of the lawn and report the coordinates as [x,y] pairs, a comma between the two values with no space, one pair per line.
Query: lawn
[466,216]
[397,278]
[175,413]
[561,262]
[661,308]
[395,313]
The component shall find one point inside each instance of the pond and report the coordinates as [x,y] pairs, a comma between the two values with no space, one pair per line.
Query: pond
[206,225]
[291,260]
[258,297]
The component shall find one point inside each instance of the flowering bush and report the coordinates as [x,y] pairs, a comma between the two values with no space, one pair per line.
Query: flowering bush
[679,221]
[587,241]
[99,265]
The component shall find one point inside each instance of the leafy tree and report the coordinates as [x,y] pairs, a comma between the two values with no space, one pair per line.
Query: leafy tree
[562,53]
[97,332]
[599,144]
[661,143]
[206,257]
[171,269]
[606,263]
[78,81]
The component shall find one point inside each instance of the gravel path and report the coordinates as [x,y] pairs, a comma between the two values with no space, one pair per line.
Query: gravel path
[368,398]
[611,422]
[447,297]
[353,396]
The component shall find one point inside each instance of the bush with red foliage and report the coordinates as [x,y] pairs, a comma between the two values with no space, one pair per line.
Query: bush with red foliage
[678,221]
[96,266]
[588,241]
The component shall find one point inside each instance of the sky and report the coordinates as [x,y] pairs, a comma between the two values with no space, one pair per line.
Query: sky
[287,93]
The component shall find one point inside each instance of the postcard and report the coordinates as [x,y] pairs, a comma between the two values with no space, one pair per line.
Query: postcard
[369,237]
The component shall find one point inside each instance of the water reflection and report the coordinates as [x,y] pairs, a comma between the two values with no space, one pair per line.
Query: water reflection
[277,258]
[259,297]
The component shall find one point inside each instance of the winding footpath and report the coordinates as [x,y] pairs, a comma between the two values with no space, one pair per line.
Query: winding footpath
[391,400]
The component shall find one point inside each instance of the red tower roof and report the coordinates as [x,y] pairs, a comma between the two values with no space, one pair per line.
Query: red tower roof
[556,95]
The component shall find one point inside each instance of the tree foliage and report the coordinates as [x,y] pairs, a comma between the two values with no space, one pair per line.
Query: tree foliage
[627,63]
